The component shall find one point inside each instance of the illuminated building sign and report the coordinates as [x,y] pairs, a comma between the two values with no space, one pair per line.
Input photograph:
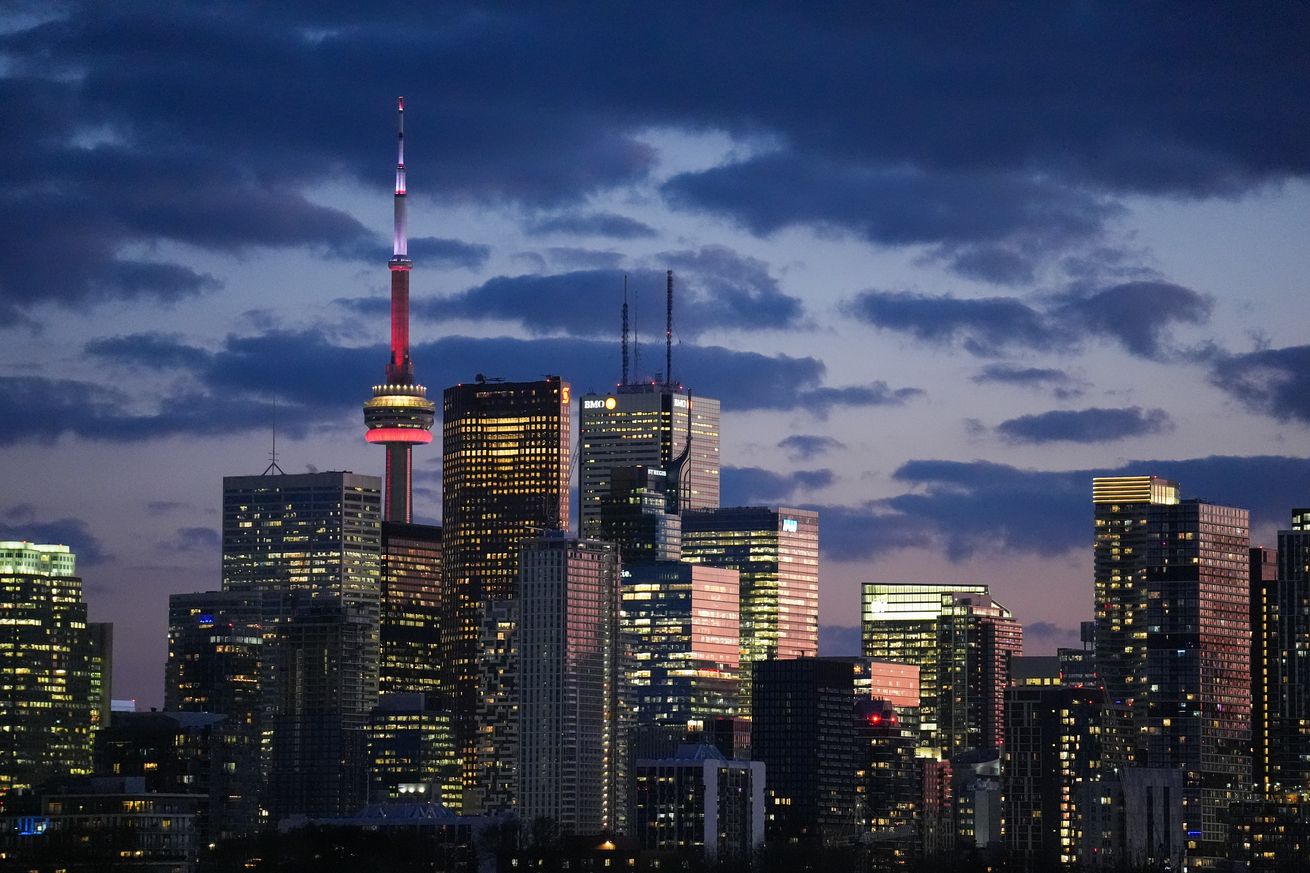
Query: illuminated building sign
[680,402]
[789,525]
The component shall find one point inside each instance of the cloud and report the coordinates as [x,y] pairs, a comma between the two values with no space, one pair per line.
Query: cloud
[568,256]
[71,532]
[805,447]
[746,486]
[821,401]
[607,224]
[963,509]
[164,507]
[1275,382]
[194,539]
[715,289]
[1085,425]
[1138,315]
[426,251]
[1058,382]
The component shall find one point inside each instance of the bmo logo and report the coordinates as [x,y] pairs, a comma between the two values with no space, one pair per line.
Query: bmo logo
[607,403]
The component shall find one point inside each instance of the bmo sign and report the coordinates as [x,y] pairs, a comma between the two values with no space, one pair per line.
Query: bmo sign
[607,403]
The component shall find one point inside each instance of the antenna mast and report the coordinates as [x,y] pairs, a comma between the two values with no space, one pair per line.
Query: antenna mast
[625,330]
[668,331]
[272,455]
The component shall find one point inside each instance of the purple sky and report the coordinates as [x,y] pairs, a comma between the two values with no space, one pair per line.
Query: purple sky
[941,264]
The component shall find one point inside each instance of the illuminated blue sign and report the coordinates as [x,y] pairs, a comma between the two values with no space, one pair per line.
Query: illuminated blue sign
[790,525]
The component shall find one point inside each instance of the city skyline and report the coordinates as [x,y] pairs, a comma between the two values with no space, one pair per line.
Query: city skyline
[932,322]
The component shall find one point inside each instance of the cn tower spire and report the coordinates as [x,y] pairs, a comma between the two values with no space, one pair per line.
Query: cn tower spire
[399,413]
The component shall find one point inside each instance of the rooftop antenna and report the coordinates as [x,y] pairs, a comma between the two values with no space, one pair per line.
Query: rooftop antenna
[636,347]
[668,330]
[272,455]
[625,330]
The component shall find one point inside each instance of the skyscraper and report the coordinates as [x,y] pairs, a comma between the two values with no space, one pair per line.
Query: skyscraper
[776,554]
[310,543]
[637,516]
[505,478]
[652,425]
[47,661]
[410,623]
[1188,680]
[1122,507]
[961,640]
[1282,638]
[399,414]
[569,744]
[215,665]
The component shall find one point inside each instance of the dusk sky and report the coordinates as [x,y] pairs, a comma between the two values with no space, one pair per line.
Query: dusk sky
[941,264]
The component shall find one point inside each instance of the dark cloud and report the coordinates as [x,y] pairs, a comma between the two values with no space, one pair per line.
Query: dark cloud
[1058,382]
[164,507]
[568,256]
[748,486]
[1138,315]
[821,401]
[71,532]
[805,447]
[714,288]
[1085,425]
[426,251]
[901,126]
[1275,382]
[1046,632]
[973,508]
[607,224]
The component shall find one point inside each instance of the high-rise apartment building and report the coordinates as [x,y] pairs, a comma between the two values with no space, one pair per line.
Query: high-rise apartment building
[1122,508]
[569,738]
[961,640]
[776,554]
[47,664]
[1052,750]
[410,613]
[1281,640]
[1267,660]
[1172,581]
[505,479]
[652,425]
[681,629]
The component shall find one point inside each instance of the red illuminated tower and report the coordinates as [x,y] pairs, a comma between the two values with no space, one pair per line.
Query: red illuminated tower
[399,413]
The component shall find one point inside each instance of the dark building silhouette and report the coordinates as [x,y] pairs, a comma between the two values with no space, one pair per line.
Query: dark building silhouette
[804,733]
[638,515]
[1282,673]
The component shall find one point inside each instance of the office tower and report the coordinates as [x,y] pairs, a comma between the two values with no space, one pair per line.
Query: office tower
[492,786]
[102,671]
[215,664]
[962,641]
[888,780]
[324,689]
[1122,508]
[411,750]
[176,753]
[637,515]
[569,743]
[47,661]
[652,425]
[803,731]
[1287,632]
[1190,695]
[699,805]
[505,478]
[399,414]
[681,628]
[318,532]
[1052,748]
[776,554]
[1078,666]
[410,622]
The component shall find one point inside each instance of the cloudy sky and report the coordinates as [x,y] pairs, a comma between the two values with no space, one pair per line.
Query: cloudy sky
[941,265]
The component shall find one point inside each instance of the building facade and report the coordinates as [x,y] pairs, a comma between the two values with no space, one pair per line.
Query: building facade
[681,634]
[410,613]
[961,640]
[570,749]
[652,425]
[505,479]
[48,662]
[1282,636]
[776,555]
[698,804]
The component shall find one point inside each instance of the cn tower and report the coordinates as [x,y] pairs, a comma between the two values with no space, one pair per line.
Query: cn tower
[399,414]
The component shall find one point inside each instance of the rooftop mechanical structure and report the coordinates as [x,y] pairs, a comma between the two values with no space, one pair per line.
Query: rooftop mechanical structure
[399,414]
